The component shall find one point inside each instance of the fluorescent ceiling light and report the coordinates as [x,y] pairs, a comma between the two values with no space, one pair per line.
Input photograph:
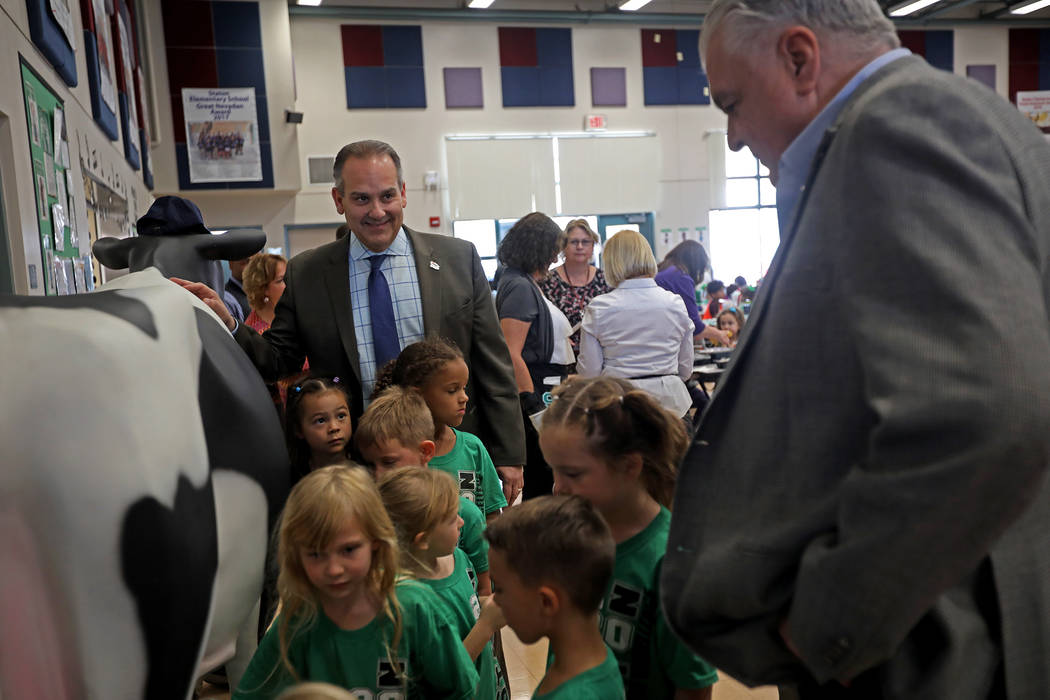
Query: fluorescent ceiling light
[479,4]
[1025,8]
[910,7]
[311,3]
[632,5]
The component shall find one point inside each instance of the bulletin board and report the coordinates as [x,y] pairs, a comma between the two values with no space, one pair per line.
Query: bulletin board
[61,262]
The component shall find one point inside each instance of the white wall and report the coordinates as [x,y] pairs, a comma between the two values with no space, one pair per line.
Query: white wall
[983,45]
[315,47]
[87,144]
[418,134]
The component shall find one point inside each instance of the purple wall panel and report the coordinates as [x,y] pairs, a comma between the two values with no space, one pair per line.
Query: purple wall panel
[609,87]
[463,88]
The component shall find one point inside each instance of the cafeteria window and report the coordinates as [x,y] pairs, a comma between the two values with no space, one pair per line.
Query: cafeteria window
[744,235]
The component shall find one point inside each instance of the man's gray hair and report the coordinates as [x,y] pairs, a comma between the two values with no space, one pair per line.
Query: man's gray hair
[365,149]
[861,23]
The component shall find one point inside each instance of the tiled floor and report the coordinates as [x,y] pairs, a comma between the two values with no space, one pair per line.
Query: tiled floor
[526,662]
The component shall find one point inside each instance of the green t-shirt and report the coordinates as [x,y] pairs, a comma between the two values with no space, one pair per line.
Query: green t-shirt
[652,660]
[472,536]
[470,465]
[459,595]
[431,654]
[603,682]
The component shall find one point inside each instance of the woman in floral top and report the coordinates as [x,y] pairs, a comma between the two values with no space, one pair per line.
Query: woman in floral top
[575,282]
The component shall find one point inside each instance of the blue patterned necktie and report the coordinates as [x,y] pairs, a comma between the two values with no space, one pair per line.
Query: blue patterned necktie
[385,343]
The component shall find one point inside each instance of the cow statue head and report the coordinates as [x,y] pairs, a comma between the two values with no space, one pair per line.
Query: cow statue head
[173,238]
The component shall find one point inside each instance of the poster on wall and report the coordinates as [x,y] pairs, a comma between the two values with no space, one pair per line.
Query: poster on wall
[222,134]
[63,18]
[1035,105]
[107,76]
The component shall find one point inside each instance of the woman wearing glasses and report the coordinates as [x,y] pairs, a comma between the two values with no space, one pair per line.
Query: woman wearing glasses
[576,281]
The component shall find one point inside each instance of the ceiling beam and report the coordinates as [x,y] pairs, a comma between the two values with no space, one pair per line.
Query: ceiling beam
[613,16]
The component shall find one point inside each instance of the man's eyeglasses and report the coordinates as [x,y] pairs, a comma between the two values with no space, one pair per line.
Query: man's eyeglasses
[586,243]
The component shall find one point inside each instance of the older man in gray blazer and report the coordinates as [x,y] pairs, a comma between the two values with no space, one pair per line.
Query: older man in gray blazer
[865,511]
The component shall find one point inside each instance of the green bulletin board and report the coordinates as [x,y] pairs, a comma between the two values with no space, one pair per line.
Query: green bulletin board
[61,262]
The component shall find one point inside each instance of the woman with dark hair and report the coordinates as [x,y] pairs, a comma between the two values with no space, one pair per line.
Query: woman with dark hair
[680,272]
[576,281]
[536,330]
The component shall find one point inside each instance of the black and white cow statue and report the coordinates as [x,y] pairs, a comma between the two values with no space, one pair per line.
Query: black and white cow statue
[143,469]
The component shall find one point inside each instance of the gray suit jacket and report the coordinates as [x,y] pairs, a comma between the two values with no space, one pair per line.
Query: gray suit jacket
[881,438]
[314,319]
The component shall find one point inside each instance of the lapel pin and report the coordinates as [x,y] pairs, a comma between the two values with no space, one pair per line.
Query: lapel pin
[434,265]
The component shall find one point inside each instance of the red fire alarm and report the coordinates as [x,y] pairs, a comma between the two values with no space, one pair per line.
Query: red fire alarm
[435,221]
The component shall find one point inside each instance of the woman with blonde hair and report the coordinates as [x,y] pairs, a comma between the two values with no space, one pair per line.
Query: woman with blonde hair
[638,331]
[263,281]
[576,281]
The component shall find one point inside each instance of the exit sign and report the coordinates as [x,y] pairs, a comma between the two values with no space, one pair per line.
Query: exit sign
[594,122]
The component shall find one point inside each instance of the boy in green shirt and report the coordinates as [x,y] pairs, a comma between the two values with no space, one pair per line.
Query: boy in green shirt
[551,559]
[397,430]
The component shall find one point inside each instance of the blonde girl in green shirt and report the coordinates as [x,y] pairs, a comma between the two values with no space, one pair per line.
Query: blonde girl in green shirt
[345,619]
[423,505]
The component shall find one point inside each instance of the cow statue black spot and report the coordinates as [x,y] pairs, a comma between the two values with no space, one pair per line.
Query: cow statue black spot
[144,468]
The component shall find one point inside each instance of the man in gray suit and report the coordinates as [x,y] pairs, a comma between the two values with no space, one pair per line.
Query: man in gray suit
[865,510]
[432,285]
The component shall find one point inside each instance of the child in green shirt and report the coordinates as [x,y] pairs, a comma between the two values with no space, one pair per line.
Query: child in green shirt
[437,370]
[423,507]
[551,558]
[344,620]
[396,430]
[613,445]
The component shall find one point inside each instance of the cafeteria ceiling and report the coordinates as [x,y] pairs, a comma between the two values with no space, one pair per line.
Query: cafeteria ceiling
[679,12]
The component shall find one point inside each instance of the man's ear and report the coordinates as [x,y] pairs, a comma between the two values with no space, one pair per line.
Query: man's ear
[799,50]
[550,601]
[337,198]
[427,448]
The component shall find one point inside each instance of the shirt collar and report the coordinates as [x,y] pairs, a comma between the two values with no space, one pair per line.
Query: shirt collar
[398,247]
[637,283]
[794,165]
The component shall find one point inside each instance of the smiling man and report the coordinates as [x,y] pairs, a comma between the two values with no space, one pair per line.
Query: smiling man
[352,304]
[864,514]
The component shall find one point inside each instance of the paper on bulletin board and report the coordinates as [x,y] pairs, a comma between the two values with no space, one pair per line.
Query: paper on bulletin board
[107,76]
[31,116]
[222,134]
[1035,104]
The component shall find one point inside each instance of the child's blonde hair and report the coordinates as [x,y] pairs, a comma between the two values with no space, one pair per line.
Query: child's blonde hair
[417,500]
[399,413]
[616,419]
[318,507]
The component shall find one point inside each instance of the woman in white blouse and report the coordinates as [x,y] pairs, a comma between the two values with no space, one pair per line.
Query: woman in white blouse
[638,331]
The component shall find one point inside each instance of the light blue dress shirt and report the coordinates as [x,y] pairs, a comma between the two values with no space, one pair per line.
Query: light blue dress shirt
[793,169]
[401,276]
